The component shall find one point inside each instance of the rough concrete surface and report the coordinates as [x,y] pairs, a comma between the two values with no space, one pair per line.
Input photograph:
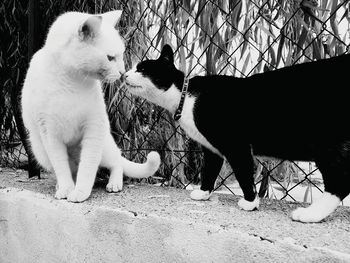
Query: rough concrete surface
[146,223]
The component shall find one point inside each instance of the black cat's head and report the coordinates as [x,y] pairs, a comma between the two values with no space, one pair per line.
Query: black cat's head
[152,78]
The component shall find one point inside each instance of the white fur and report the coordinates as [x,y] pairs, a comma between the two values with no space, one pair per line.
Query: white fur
[200,195]
[249,206]
[318,210]
[63,106]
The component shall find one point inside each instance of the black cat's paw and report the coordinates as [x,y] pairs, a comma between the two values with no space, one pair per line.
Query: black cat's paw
[249,206]
[318,210]
[306,215]
[200,195]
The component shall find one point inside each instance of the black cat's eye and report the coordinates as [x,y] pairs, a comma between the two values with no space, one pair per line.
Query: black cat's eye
[140,69]
[110,58]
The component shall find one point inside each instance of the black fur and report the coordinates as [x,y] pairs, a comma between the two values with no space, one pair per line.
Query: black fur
[300,112]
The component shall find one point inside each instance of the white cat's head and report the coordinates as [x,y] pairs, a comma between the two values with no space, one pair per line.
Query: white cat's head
[88,45]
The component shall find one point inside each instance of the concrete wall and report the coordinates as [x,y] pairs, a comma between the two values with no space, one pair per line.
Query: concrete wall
[153,224]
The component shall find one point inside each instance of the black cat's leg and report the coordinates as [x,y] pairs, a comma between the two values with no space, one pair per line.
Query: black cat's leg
[210,171]
[334,165]
[242,164]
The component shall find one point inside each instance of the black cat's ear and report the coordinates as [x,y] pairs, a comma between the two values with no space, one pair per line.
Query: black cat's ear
[167,53]
[90,27]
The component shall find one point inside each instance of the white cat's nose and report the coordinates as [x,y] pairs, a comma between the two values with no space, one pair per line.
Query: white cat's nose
[122,76]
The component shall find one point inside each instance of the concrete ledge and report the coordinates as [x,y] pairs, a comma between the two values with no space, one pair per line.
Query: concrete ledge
[153,224]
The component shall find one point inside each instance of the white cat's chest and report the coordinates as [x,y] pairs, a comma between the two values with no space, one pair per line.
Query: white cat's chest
[187,123]
[64,112]
[72,106]
[49,91]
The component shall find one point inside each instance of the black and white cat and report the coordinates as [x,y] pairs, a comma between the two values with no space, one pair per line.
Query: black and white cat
[297,113]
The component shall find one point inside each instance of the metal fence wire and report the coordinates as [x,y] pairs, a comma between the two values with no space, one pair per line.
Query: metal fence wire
[238,37]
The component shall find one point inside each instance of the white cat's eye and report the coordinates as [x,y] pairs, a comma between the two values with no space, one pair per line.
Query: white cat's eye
[110,58]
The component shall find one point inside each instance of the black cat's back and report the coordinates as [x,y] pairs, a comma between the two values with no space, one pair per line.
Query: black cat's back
[310,98]
[286,112]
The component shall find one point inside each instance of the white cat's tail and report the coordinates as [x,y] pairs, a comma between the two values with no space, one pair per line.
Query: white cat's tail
[142,170]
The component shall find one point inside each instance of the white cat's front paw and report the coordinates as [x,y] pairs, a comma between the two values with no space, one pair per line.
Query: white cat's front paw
[77,196]
[113,187]
[200,195]
[248,206]
[63,192]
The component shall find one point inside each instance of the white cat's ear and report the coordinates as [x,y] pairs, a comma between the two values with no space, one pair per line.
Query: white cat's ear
[167,53]
[112,17]
[90,27]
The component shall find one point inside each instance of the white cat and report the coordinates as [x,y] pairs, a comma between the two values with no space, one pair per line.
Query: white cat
[63,105]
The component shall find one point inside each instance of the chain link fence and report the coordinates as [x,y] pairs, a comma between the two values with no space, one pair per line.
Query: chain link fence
[238,37]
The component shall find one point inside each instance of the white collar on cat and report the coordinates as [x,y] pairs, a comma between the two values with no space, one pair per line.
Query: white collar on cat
[178,111]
